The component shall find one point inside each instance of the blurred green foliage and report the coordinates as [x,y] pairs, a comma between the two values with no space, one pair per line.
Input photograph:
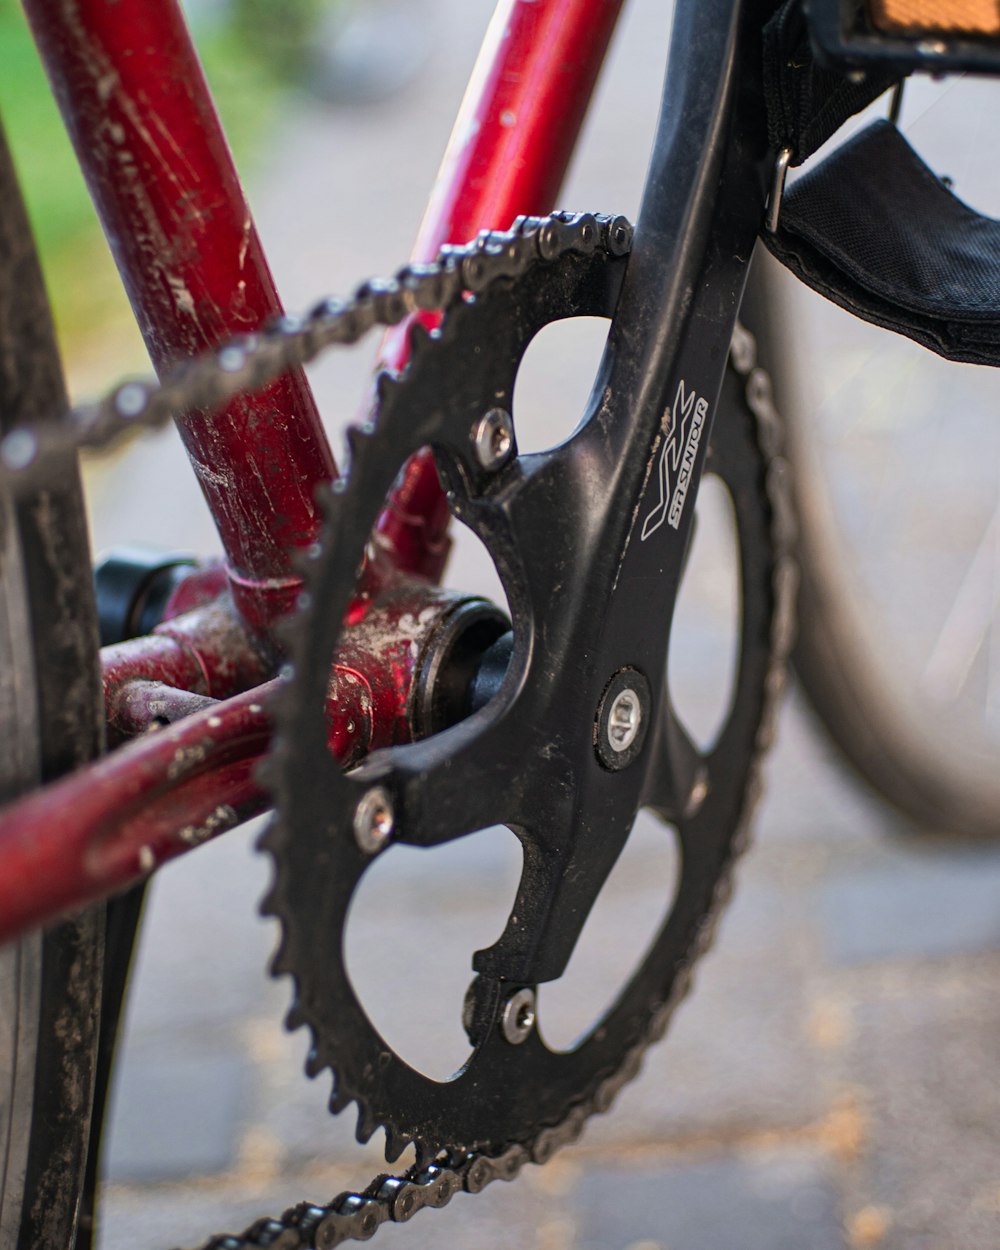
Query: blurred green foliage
[54,190]
[279,33]
[248,51]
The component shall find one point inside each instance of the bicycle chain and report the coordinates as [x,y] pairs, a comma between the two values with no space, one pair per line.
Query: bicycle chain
[248,363]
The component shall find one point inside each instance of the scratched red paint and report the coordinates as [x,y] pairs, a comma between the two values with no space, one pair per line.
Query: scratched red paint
[149,141]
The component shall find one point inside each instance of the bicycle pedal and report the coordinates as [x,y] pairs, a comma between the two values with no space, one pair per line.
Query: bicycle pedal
[932,36]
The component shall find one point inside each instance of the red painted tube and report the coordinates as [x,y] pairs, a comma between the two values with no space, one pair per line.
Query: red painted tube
[171,824]
[146,134]
[203,584]
[108,825]
[142,706]
[95,832]
[507,156]
[520,119]
[205,651]
[99,830]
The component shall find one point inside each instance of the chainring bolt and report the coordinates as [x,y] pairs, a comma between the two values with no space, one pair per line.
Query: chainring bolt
[493,438]
[374,820]
[518,1017]
[622,719]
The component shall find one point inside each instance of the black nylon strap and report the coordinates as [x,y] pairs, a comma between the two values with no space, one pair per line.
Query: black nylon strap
[874,230]
[806,103]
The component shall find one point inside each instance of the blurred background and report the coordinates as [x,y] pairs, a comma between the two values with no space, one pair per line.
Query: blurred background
[834,1081]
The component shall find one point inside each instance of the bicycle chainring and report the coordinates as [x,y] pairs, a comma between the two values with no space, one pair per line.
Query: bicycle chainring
[527,758]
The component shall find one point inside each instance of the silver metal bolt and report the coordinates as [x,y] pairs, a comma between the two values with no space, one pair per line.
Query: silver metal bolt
[493,438]
[623,717]
[624,720]
[373,820]
[518,1017]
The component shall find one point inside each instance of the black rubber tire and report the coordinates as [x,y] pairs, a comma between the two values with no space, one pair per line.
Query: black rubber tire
[941,783]
[46,588]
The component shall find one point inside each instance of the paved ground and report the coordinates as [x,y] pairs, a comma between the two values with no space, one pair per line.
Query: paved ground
[832,1082]
[835,1080]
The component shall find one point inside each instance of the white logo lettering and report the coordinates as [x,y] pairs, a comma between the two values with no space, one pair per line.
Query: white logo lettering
[680,450]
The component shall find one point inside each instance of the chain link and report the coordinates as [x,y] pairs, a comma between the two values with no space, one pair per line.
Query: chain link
[248,363]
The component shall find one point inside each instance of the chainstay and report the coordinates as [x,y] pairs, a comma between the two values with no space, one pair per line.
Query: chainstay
[248,362]
[358,1215]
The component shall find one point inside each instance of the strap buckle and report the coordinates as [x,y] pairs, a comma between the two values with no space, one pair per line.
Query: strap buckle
[777,189]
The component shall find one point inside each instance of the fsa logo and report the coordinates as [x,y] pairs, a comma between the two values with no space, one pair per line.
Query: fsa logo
[680,450]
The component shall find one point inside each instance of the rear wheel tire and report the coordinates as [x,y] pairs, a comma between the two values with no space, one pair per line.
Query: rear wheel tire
[50,722]
[936,765]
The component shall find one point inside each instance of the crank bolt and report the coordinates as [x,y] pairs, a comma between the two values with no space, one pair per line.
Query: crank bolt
[518,1017]
[493,438]
[373,820]
[622,719]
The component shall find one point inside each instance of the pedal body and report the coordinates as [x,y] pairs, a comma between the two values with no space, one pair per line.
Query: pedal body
[934,36]
[872,228]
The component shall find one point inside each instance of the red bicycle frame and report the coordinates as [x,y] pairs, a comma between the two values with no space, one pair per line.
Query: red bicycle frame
[139,113]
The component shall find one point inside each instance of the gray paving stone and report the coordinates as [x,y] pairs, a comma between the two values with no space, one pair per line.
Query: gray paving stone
[289,1111]
[925,1056]
[736,1061]
[811,799]
[176,1114]
[738,1056]
[783,1202]
[924,904]
[204,950]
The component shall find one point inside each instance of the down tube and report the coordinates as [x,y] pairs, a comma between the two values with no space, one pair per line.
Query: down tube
[148,139]
[508,153]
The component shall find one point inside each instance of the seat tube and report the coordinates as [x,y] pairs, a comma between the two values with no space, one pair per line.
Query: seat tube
[139,113]
[508,154]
